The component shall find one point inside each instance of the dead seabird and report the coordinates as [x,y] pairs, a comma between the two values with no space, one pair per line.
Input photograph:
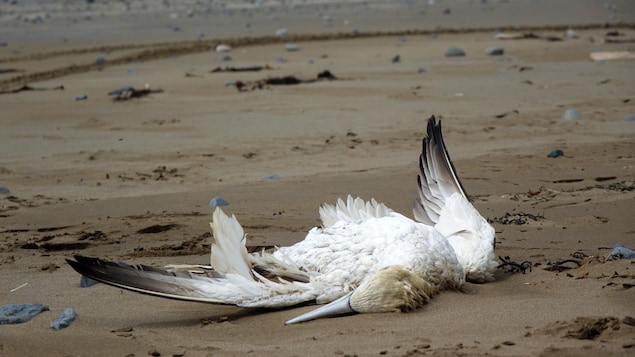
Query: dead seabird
[365,257]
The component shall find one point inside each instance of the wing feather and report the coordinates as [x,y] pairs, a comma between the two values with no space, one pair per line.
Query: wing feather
[353,210]
[437,180]
[232,280]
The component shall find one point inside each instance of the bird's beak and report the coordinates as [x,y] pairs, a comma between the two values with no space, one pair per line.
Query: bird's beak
[340,306]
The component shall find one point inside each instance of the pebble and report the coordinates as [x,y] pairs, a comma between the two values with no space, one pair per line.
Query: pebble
[395,59]
[421,70]
[494,51]
[282,32]
[19,313]
[271,177]
[66,318]
[292,47]
[571,114]
[225,58]
[218,201]
[570,34]
[223,48]
[454,52]
[86,282]
[620,252]
[555,153]
[631,118]
[81,97]
[4,189]
[100,60]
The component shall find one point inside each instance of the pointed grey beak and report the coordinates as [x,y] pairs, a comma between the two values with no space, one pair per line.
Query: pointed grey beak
[340,306]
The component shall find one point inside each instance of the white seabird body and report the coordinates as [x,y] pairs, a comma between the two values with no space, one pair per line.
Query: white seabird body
[364,258]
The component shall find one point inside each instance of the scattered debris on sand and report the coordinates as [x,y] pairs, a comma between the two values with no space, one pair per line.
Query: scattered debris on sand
[128,92]
[284,80]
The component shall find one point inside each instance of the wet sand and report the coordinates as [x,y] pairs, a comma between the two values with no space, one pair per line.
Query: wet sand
[131,180]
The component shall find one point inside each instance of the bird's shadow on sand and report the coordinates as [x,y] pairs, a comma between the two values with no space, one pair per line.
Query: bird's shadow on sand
[218,318]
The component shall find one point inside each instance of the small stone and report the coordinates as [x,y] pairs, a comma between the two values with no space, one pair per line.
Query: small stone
[65,319]
[49,267]
[494,51]
[292,47]
[629,320]
[86,282]
[570,34]
[271,177]
[629,119]
[454,52]
[4,189]
[223,48]
[225,58]
[395,59]
[421,70]
[555,153]
[281,32]
[571,114]
[81,97]
[218,201]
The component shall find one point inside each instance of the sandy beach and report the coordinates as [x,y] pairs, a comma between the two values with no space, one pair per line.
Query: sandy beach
[131,179]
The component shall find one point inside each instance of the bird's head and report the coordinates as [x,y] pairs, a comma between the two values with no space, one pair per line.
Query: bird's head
[471,237]
[393,288]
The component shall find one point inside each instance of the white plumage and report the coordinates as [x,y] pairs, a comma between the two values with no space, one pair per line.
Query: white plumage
[364,258]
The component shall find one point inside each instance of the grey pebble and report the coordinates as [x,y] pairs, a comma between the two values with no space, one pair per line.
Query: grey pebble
[454,52]
[66,318]
[271,177]
[555,153]
[292,47]
[19,313]
[494,51]
[620,252]
[571,114]
[218,201]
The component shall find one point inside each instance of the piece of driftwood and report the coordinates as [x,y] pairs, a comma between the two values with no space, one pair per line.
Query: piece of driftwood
[611,55]
[129,92]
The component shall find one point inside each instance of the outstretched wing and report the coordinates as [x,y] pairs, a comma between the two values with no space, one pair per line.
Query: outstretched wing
[232,281]
[437,180]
